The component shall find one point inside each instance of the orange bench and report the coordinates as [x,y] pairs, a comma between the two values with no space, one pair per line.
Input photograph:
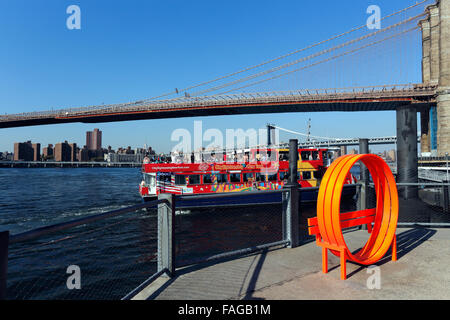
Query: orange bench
[347,220]
[328,225]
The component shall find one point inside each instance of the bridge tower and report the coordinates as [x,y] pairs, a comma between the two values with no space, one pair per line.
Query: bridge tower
[436,71]
[443,98]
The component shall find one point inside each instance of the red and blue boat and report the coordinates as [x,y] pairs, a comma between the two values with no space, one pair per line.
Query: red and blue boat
[261,170]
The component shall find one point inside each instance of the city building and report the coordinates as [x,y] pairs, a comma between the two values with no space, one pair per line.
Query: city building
[63,151]
[94,140]
[6,156]
[27,151]
[73,152]
[391,155]
[47,152]
[36,151]
[83,154]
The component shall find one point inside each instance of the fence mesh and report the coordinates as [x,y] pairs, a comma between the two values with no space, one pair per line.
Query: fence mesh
[114,256]
[117,254]
[425,202]
[201,233]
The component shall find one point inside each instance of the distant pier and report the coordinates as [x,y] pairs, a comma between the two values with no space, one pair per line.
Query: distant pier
[68,164]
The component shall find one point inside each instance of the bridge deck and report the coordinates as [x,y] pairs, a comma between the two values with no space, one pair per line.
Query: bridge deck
[370,99]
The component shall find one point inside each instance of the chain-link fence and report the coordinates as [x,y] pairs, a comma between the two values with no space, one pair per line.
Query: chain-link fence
[102,259]
[425,203]
[117,253]
[209,231]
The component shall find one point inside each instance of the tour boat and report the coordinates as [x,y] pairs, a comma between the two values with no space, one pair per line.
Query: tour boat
[260,170]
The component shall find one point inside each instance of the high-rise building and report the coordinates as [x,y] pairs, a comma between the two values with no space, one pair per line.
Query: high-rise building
[73,152]
[47,152]
[391,154]
[36,151]
[26,151]
[62,151]
[83,154]
[94,140]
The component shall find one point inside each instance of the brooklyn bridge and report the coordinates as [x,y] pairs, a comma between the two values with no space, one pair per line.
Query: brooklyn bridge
[358,70]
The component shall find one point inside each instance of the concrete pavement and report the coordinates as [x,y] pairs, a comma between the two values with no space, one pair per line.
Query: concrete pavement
[422,271]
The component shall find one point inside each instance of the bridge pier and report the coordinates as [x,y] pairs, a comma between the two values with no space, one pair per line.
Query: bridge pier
[407,162]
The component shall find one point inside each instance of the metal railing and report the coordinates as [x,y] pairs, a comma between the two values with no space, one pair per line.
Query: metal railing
[420,204]
[167,246]
[36,245]
[182,234]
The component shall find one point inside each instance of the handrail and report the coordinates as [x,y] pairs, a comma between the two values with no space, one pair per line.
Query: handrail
[144,284]
[225,195]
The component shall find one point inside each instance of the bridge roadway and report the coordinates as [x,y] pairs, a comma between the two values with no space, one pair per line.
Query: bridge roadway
[379,98]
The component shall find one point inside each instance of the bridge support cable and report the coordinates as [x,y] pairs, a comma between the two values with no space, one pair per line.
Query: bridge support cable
[177,91]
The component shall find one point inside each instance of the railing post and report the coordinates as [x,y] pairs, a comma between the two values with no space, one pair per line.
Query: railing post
[291,199]
[4,243]
[364,191]
[362,195]
[166,233]
[445,197]
[290,216]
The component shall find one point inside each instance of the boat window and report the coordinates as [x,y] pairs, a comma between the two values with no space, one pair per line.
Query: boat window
[317,174]
[149,179]
[305,155]
[221,178]
[284,156]
[284,175]
[164,177]
[194,179]
[247,176]
[272,177]
[315,155]
[306,175]
[260,177]
[235,177]
[325,158]
[207,178]
[180,179]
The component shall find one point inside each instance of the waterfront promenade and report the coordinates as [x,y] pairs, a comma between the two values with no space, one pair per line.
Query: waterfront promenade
[421,272]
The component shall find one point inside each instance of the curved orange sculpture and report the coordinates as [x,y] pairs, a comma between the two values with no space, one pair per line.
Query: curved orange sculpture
[329,222]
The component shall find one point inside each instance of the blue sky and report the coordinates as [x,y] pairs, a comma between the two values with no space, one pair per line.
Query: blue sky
[131,50]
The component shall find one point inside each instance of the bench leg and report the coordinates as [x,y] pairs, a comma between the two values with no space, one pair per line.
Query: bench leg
[369,227]
[324,260]
[394,248]
[343,265]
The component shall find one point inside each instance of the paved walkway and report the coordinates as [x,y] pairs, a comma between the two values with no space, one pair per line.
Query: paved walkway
[421,272]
